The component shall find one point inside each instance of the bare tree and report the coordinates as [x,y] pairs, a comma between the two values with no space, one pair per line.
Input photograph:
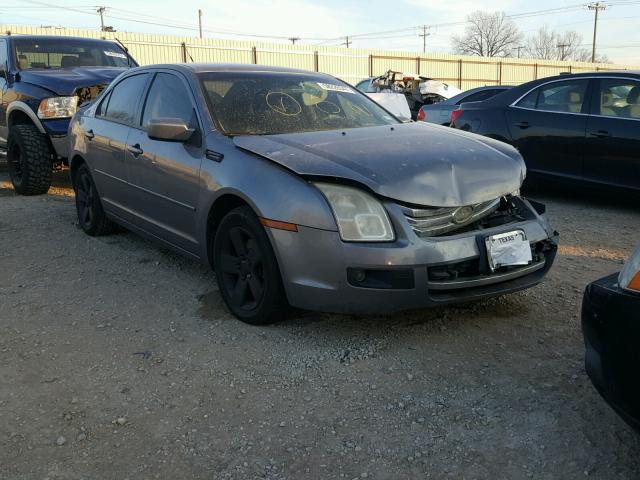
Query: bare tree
[548,44]
[487,35]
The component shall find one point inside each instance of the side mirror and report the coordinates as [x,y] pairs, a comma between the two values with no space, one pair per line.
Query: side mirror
[169,130]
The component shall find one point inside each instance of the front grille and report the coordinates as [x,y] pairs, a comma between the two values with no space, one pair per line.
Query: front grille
[86,94]
[430,222]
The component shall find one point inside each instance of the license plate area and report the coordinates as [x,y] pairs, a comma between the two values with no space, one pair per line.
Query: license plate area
[508,249]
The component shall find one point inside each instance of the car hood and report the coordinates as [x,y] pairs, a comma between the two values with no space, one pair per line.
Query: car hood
[64,81]
[413,163]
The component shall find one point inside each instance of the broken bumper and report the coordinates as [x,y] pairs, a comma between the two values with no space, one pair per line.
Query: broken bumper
[321,272]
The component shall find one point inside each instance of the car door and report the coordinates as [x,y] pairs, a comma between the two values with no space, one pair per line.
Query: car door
[166,174]
[106,134]
[3,87]
[548,125]
[613,133]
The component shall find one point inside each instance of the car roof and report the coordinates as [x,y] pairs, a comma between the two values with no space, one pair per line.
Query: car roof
[230,67]
[53,37]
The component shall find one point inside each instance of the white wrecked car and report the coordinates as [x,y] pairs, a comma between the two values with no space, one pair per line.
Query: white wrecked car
[417,91]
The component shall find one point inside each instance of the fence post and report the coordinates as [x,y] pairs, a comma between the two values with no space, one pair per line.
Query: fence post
[499,73]
[418,65]
[316,63]
[183,48]
[535,71]
[460,74]
[254,55]
[370,65]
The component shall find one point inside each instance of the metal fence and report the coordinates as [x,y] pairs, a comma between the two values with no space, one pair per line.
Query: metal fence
[350,64]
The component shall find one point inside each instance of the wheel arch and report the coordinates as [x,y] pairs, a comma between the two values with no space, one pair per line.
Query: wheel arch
[222,205]
[19,113]
[74,164]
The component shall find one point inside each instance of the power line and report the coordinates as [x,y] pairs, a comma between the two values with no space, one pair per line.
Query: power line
[424,36]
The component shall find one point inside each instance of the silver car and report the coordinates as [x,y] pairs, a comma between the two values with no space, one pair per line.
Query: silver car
[300,191]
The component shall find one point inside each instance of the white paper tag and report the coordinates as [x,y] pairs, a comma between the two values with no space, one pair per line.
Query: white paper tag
[336,88]
[507,249]
[114,54]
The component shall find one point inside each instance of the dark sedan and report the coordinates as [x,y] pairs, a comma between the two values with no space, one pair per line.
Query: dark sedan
[577,127]
[611,326]
[440,112]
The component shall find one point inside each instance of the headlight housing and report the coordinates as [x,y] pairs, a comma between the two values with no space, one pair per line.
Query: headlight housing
[629,278]
[58,107]
[360,217]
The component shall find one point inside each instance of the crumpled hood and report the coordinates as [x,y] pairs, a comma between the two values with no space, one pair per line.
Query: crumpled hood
[413,163]
[65,80]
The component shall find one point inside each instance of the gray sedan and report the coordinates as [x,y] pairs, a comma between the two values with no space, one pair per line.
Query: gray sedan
[440,112]
[300,191]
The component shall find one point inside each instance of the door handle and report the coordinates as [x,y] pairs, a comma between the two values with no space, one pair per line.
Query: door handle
[523,125]
[601,134]
[135,150]
[89,134]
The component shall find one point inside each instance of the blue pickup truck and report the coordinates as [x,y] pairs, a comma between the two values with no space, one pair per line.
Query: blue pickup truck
[43,81]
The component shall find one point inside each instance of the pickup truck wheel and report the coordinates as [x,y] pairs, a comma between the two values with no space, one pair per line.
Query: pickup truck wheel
[247,270]
[91,216]
[29,159]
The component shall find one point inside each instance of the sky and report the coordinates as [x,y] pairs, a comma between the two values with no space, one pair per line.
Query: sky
[327,22]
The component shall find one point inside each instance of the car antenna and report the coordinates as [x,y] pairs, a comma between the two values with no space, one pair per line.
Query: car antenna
[126,50]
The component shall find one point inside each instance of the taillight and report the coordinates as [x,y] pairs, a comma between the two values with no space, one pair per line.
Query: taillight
[454,114]
[421,114]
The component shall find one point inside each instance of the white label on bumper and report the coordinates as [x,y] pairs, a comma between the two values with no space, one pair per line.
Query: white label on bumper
[508,249]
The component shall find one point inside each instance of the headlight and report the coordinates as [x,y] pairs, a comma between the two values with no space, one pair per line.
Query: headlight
[629,278]
[360,217]
[58,107]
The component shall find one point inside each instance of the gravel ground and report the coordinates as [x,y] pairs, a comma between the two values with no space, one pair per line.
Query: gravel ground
[118,360]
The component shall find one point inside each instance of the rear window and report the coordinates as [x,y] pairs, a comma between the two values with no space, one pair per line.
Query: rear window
[263,103]
[68,53]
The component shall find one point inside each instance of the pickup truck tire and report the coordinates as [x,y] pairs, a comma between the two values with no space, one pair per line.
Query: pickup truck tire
[29,159]
[91,216]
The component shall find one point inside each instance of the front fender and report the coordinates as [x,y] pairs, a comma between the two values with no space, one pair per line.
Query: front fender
[26,109]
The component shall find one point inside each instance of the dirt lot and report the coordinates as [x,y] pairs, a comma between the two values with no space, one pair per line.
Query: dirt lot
[119,361]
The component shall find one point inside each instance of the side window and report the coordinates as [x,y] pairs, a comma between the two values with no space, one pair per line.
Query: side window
[363,86]
[3,55]
[618,97]
[168,98]
[479,96]
[122,103]
[566,96]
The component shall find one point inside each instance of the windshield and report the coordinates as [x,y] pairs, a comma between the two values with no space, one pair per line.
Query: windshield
[68,53]
[264,103]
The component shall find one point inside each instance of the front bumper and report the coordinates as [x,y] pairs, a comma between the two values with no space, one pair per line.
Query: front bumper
[57,130]
[321,272]
[611,328]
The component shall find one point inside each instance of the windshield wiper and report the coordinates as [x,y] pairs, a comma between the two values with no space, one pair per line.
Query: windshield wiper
[126,51]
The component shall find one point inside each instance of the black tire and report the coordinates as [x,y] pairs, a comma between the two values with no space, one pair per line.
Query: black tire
[29,159]
[91,216]
[247,270]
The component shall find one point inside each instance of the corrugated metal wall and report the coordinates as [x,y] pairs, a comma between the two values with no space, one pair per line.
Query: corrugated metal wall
[351,64]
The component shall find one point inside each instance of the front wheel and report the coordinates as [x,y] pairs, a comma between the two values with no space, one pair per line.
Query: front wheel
[247,270]
[91,216]
[29,159]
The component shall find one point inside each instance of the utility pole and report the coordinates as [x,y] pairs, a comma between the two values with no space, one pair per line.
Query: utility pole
[347,42]
[562,47]
[518,48]
[596,6]
[101,11]
[200,22]
[424,36]
[293,40]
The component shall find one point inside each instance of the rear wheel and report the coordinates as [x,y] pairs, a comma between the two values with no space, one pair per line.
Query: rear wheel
[29,159]
[91,216]
[247,270]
